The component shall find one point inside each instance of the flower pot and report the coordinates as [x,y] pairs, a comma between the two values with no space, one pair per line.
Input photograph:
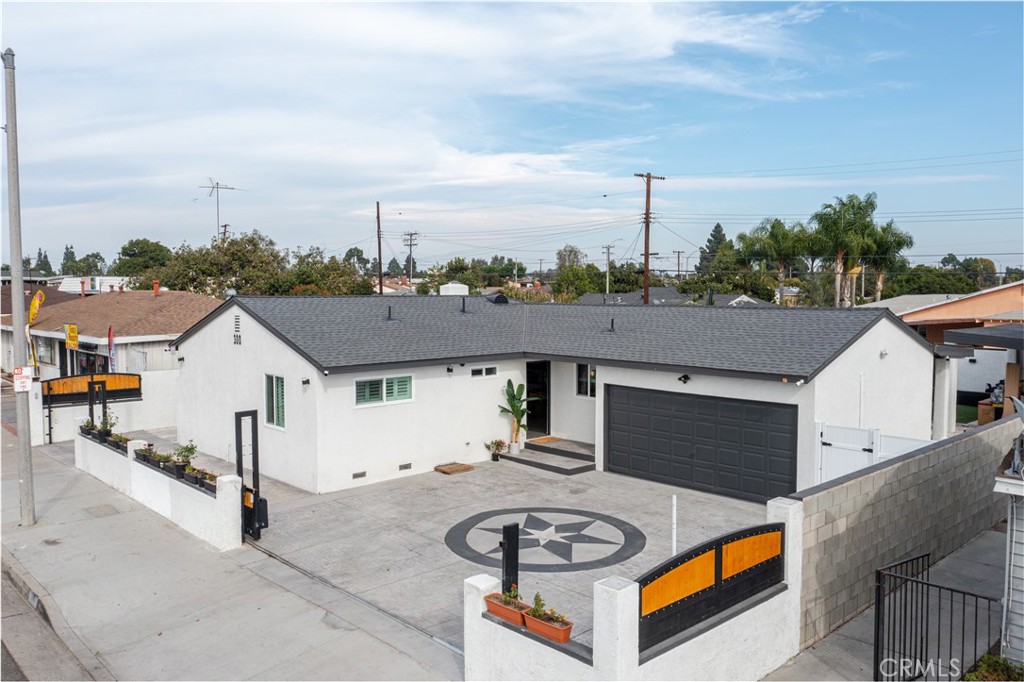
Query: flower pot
[513,613]
[111,441]
[140,456]
[122,446]
[86,431]
[495,456]
[210,485]
[513,448]
[191,478]
[177,468]
[556,632]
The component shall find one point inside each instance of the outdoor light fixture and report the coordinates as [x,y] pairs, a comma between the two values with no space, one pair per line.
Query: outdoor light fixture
[882,353]
[800,383]
[684,378]
[305,382]
[450,369]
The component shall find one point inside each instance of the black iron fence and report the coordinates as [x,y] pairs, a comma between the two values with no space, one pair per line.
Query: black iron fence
[928,631]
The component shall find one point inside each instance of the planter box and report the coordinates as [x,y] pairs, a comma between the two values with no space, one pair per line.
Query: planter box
[513,613]
[556,632]
[210,485]
[177,468]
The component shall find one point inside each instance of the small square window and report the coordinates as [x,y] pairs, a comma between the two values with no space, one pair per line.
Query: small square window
[586,380]
[490,371]
[478,372]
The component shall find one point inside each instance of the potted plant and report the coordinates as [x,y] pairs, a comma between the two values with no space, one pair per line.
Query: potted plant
[183,455]
[210,482]
[143,454]
[515,406]
[495,447]
[119,441]
[86,427]
[107,423]
[163,461]
[549,624]
[506,605]
[191,474]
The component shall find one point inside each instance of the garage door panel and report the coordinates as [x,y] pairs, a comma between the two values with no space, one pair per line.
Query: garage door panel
[741,448]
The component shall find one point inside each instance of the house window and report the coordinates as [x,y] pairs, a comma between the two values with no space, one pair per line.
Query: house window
[44,347]
[483,372]
[390,389]
[275,400]
[586,380]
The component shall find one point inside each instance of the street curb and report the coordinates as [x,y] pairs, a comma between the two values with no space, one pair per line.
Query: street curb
[43,603]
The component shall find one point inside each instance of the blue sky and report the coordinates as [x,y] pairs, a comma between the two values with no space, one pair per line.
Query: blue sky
[515,128]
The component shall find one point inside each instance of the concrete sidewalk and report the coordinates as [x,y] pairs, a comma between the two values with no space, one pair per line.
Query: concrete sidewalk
[135,597]
[848,653]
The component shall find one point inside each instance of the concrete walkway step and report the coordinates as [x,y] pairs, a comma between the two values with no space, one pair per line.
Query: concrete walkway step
[556,463]
[565,448]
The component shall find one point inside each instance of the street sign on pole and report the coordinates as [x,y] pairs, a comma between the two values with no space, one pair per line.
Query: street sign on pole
[22,379]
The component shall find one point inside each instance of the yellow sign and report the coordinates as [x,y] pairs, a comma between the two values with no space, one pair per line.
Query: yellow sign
[80,383]
[33,308]
[71,336]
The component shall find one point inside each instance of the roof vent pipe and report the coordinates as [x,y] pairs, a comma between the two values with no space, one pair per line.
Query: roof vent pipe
[463,304]
[156,287]
[389,312]
[613,325]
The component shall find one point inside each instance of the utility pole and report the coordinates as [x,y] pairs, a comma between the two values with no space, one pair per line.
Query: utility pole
[380,265]
[540,271]
[607,267]
[647,234]
[678,254]
[224,232]
[409,239]
[215,188]
[26,485]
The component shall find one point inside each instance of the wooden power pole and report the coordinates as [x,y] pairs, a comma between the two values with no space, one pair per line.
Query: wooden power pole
[380,265]
[647,234]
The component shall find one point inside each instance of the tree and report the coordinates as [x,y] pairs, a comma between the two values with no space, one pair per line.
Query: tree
[775,244]
[89,264]
[925,279]
[355,257]
[845,227]
[715,241]
[1014,275]
[139,255]
[394,268]
[43,266]
[568,256]
[950,261]
[981,270]
[889,242]
[576,280]
[69,260]
[458,270]
[411,271]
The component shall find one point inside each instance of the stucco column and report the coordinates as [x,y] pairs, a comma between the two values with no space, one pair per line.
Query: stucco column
[616,629]
[943,398]
[791,513]
[476,648]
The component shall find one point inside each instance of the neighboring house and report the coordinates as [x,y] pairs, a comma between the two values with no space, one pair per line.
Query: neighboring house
[934,314]
[453,289]
[32,278]
[354,390]
[93,284]
[142,324]
[671,296]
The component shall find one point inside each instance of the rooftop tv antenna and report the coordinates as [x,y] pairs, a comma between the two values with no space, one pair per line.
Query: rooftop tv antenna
[215,188]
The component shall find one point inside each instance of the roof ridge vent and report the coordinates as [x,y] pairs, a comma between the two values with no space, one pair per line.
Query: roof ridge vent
[499,299]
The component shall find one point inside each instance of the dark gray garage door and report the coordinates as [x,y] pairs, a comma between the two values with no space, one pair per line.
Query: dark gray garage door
[740,448]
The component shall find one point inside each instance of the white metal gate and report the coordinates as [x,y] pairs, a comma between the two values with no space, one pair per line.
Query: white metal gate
[844,449]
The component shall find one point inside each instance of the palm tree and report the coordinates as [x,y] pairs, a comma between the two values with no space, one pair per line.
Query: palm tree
[889,241]
[772,242]
[845,227]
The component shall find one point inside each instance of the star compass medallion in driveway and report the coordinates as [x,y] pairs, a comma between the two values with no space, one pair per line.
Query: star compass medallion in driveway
[551,539]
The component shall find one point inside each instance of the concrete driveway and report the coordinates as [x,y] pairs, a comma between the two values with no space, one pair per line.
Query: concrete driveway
[386,543]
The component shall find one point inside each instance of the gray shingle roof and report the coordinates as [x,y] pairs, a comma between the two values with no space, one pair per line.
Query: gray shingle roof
[669,296]
[348,333]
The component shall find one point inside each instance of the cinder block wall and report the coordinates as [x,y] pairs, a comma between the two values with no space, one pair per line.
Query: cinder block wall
[930,500]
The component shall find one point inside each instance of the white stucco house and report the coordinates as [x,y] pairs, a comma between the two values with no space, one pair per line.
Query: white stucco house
[355,390]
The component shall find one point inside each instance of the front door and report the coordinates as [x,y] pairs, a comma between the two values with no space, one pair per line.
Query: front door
[538,377]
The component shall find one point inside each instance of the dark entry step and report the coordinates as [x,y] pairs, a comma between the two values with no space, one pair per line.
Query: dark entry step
[556,463]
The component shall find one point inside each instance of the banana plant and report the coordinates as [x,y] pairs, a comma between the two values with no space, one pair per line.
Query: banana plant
[515,406]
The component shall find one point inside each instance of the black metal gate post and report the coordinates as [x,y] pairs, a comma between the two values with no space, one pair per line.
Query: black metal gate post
[97,389]
[255,515]
[509,556]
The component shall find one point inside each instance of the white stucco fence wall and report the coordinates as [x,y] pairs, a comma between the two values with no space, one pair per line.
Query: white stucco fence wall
[216,520]
[765,635]
[158,409]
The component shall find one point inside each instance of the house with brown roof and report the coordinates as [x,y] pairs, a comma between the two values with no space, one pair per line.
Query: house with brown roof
[126,331]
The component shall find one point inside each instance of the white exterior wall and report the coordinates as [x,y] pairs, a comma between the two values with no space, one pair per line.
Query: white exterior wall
[989,367]
[8,350]
[449,419]
[219,378]
[157,409]
[216,520]
[573,417]
[722,387]
[895,394]
[1013,590]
